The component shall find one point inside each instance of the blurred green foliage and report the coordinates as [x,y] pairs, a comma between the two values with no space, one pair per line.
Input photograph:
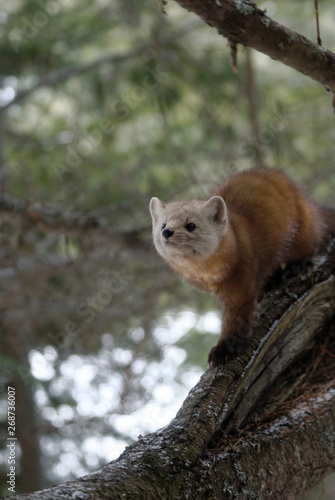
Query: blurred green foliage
[104,105]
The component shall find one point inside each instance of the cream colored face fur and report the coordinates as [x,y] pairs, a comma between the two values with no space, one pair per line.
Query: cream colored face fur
[195,228]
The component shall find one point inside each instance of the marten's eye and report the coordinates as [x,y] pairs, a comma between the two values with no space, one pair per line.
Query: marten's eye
[190,226]
[163,226]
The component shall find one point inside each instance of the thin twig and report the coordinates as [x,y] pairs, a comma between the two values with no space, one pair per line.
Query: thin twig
[316,6]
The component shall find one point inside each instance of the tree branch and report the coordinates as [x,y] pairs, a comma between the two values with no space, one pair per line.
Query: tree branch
[240,21]
[51,220]
[59,76]
[207,451]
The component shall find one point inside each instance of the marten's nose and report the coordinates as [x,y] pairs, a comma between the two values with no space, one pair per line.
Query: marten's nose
[167,233]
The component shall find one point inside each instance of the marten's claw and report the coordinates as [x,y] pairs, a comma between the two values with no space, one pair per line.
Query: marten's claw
[216,356]
[225,351]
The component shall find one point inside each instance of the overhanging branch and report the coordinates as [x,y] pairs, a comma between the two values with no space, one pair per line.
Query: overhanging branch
[240,21]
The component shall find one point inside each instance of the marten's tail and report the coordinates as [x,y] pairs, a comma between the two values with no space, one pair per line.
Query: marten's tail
[328,220]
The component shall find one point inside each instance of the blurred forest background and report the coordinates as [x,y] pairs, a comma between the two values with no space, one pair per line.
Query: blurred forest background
[102,105]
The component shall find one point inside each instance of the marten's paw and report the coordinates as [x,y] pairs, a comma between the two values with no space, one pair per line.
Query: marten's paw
[225,351]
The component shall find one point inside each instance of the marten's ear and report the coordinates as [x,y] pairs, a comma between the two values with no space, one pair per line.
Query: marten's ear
[215,209]
[156,208]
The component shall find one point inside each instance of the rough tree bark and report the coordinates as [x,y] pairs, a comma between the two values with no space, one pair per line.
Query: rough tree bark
[241,22]
[233,438]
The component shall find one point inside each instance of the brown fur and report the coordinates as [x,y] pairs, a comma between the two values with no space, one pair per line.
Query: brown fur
[263,222]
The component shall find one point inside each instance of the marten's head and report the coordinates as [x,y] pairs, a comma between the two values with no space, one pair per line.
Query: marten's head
[188,229]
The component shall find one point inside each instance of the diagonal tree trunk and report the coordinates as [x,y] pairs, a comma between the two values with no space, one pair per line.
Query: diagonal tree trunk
[234,436]
[243,432]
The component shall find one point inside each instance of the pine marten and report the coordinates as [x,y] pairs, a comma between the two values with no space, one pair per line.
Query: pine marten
[231,244]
